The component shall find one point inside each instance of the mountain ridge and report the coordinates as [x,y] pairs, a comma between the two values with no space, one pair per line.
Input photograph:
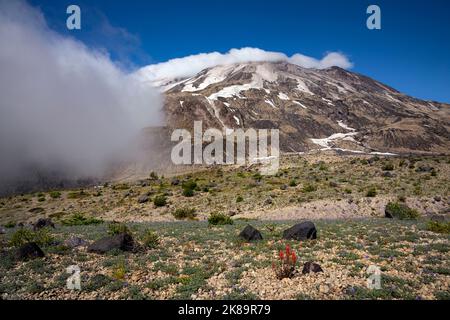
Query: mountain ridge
[315,109]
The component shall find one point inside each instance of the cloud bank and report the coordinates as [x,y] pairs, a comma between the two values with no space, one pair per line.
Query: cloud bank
[191,65]
[63,106]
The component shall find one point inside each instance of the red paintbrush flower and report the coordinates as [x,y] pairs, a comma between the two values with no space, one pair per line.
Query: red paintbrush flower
[288,250]
[281,255]
[294,258]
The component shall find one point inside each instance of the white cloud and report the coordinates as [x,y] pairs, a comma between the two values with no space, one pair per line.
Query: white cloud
[62,105]
[191,65]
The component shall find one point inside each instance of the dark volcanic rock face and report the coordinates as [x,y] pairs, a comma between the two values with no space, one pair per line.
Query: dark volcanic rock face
[314,109]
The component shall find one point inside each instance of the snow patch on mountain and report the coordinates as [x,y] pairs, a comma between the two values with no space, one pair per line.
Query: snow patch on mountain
[283,96]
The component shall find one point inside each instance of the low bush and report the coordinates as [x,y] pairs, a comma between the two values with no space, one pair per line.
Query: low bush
[150,239]
[188,193]
[292,183]
[160,201]
[219,219]
[371,193]
[55,194]
[117,228]
[184,213]
[439,227]
[401,211]
[309,188]
[79,219]
[10,225]
[22,236]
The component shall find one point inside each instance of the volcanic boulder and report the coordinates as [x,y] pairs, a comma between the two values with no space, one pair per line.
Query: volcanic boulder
[302,231]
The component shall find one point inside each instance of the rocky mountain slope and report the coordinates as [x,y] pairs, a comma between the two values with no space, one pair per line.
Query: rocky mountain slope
[314,109]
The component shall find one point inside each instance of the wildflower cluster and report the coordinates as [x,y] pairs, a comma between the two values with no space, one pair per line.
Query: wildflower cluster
[285,268]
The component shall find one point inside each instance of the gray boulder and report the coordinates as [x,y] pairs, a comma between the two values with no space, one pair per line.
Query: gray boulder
[250,234]
[121,241]
[143,199]
[75,242]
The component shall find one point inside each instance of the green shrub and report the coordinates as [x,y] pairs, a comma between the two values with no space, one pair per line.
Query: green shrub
[119,271]
[22,236]
[153,175]
[401,211]
[184,213]
[188,188]
[372,192]
[117,228]
[10,225]
[79,219]
[309,188]
[160,201]
[55,194]
[438,227]
[388,167]
[151,239]
[293,183]
[188,193]
[219,219]
[239,199]
[190,184]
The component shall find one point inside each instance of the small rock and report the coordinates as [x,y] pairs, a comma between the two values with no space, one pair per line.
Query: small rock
[250,234]
[438,218]
[387,174]
[121,241]
[175,182]
[323,288]
[268,201]
[231,213]
[2,230]
[75,242]
[333,184]
[437,199]
[302,231]
[143,199]
[424,168]
[284,187]
[29,250]
[311,267]
[43,223]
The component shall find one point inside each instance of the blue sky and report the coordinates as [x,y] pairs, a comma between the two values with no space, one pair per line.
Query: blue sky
[411,53]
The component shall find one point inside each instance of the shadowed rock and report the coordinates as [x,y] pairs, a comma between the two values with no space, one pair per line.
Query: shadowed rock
[311,267]
[43,223]
[121,241]
[302,231]
[250,234]
[143,199]
[29,251]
